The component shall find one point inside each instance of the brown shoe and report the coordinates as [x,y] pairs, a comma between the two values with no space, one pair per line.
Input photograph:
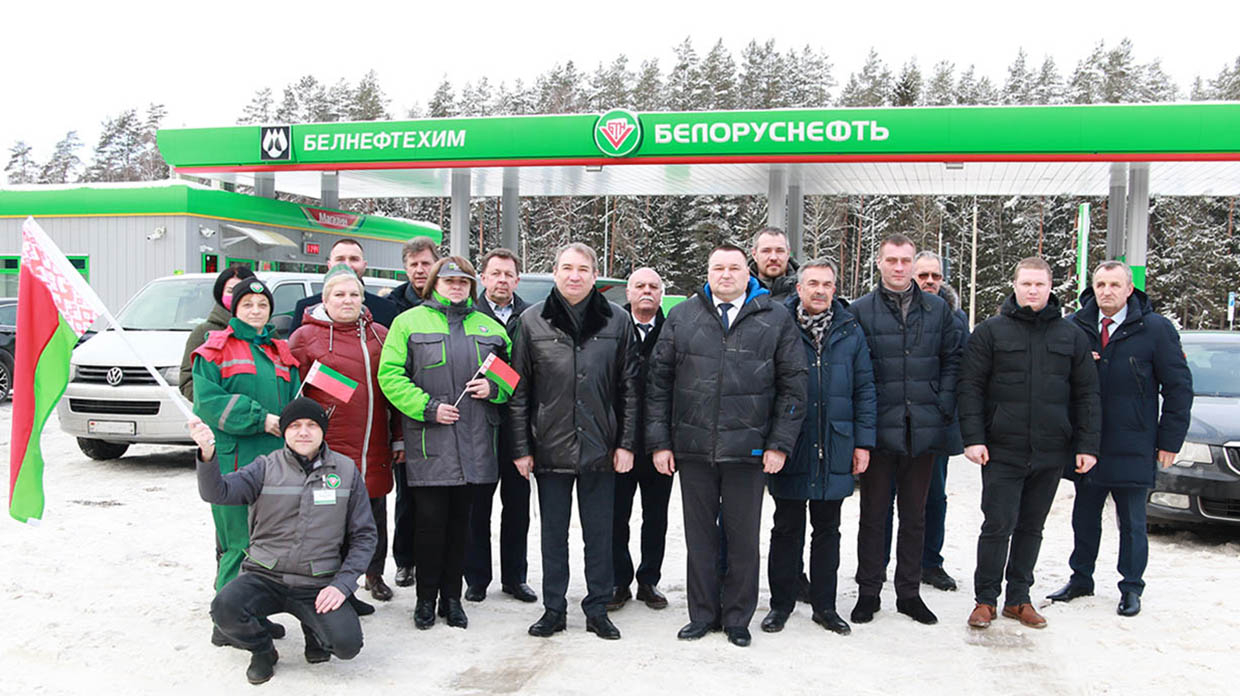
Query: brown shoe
[1026,614]
[378,589]
[982,615]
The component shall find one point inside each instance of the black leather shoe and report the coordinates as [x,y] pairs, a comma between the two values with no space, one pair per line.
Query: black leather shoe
[803,595]
[832,621]
[454,613]
[404,577]
[1071,591]
[774,621]
[276,630]
[619,597]
[916,610]
[602,627]
[378,588]
[362,608]
[552,622]
[521,592]
[1129,604]
[475,593]
[314,650]
[696,629]
[262,666]
[867,605]
[424,614]
[651,596]
[739,636]
[938,579]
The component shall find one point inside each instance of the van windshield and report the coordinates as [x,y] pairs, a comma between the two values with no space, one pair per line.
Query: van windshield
[177,304]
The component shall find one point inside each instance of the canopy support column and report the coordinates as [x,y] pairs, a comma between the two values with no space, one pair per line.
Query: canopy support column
[1138,221]
[777,198]
[265,184]
[796,215]
[329,187]
[1115,210]
[510,210]
[458,236]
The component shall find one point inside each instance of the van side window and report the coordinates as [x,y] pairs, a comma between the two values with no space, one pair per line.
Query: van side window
[286,296]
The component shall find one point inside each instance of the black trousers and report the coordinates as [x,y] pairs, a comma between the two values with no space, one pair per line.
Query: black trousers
[442,524]
[378,508]
[656,494]
[596,495]
[733,489]
[1016,497]
[1134,544]
[912,479]
[787,546]
[514,529]
[403,527]
[239,605]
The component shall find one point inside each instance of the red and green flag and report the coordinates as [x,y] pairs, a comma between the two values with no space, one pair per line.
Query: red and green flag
[330,381]
[500,371]
[54,308]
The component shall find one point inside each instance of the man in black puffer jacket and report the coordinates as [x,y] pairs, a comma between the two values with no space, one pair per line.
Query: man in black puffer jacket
[725,401]
[1028,408]
[915,347]
[572,419]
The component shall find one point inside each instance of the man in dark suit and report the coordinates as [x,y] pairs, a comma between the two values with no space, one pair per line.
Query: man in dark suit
[645,294]
[350,252]
[500,275]
[1139,357]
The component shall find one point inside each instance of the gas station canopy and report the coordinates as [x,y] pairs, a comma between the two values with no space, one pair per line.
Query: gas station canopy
[1191,148]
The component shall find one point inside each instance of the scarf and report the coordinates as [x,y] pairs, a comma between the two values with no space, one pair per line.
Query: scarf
[816,325]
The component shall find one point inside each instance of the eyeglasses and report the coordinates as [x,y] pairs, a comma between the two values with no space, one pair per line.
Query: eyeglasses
[927,274]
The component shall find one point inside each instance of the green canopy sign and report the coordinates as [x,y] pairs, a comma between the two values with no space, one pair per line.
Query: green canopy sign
[1148,132]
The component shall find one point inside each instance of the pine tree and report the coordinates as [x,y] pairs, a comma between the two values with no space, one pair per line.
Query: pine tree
[150,164]
[941,91]
[259,110]
[443,102]
[62,166]
[648,91]
[1048,88]
[21,168]
[907,88]
[1019,88]
[871,86]
[809,84]
[118,151]
[718,79]
[561,90]
[683,83]
[369,102]
[611,85]
[1086,84]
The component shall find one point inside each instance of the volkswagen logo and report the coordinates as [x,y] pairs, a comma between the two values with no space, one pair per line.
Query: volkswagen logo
[115,376]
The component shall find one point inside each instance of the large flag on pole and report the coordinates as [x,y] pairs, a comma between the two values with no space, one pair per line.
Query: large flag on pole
[54,308]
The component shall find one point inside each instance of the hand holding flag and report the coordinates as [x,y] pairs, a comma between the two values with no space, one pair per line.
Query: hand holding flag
[496,369]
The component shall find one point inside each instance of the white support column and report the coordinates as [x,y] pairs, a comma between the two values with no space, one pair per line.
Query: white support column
[510,210]
[265,184]
[1138,221]
[458,236]
[796,215]
[1115,210]
[777,197]
[329,187]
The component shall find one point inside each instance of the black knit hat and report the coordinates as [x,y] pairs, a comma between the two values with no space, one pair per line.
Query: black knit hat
[303,407]
[241,272]
[250,286]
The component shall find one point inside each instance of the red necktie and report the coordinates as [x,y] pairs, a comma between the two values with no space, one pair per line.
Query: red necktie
[1106,330]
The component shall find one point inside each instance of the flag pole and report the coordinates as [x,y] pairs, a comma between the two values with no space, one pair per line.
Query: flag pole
[466,389]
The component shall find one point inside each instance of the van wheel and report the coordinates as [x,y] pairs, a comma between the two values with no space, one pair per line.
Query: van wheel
[6,375]
[98,449]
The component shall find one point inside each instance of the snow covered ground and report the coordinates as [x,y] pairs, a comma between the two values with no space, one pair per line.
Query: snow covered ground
[110,595]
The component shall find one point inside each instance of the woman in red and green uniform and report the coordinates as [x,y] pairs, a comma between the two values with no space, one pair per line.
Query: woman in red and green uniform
[243,378]
[429,370]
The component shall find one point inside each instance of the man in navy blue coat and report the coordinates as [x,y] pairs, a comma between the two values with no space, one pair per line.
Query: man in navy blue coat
[834,445]
[1138,355]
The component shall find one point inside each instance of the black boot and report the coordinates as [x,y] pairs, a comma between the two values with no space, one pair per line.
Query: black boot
[362,608]
[452,610]
[424,614]
[314,650]
[275,629]
[916,610]
[262,666]
[551,622]
[866,606]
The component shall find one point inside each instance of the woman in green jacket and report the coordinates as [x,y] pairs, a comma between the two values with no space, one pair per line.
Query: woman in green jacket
[221,312]
[243,378]
[431,359]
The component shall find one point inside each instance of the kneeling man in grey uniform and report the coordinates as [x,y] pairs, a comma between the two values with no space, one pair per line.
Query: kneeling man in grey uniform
[311,536]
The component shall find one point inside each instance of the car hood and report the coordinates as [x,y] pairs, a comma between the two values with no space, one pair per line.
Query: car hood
[162,348]
[1215,420]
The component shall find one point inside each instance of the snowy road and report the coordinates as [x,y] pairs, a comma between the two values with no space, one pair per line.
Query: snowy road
[110,595]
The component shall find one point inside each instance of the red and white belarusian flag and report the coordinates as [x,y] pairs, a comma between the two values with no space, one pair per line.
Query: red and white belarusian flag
[55,306]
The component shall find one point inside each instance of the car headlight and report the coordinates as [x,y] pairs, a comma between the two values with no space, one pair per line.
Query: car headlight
[1193,453]
[172,374]
[72,372]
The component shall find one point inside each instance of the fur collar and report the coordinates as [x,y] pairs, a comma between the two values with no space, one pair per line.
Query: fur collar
[598,312]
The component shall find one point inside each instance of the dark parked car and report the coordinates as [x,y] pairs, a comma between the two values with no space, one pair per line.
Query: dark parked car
[8,339]
[1203,486]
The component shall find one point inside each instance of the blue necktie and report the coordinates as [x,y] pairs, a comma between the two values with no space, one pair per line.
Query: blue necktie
[724,308]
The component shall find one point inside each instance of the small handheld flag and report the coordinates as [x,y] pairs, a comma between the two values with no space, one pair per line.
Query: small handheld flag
[497,370]
[330,381]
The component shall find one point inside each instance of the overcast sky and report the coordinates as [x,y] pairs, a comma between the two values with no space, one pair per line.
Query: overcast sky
[69,66]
